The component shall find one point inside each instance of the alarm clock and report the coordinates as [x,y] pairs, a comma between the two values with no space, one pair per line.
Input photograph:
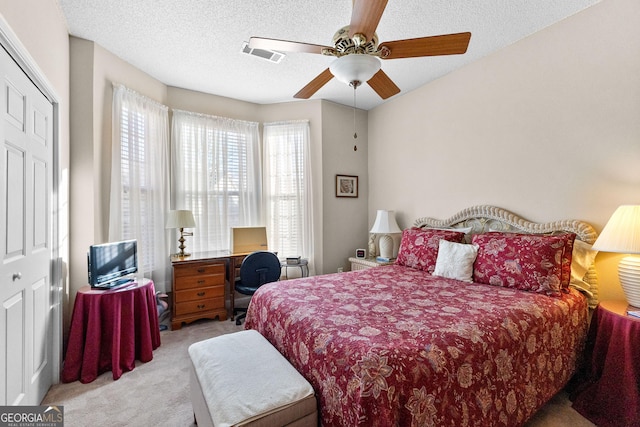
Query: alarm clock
[361,253]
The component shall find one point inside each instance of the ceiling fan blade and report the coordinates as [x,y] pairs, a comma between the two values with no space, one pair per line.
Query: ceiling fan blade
[448,44]
[382,85]
[365,17]
[285,45]
[314,85]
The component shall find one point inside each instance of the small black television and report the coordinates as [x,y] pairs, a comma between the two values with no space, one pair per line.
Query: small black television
[111,264]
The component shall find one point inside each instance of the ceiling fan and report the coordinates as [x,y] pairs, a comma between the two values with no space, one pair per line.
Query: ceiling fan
[358,52]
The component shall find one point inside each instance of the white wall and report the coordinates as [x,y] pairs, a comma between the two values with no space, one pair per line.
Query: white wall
[548,128]
[188,100]
[345,219]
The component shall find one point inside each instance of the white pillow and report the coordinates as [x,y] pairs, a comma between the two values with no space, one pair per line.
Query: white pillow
[455,260]
[582,257]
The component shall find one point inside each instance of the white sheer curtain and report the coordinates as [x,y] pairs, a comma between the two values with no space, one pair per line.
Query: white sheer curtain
[217,175]
[287,187]
[139,180]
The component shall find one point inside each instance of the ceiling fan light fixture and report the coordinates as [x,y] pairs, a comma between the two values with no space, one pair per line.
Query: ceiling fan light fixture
[354,67]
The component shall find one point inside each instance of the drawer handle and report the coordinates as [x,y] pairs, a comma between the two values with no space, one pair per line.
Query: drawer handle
[200,294]
[201,306]
[201,270]
[201,282]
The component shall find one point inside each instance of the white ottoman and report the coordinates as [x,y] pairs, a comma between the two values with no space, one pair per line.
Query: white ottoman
[240,379]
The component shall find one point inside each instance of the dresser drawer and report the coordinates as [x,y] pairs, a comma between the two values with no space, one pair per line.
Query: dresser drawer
[194,307]
[198,270]
[199,293]
[201,281]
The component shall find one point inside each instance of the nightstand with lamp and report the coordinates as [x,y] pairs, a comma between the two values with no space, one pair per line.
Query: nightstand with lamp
[386,226]
[608,393]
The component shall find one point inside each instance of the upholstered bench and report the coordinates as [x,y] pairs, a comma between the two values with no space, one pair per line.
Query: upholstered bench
[240,379]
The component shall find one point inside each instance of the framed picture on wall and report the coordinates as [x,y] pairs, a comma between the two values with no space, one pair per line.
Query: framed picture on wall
[346,186]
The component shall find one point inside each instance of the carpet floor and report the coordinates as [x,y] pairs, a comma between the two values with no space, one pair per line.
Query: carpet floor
[157,393]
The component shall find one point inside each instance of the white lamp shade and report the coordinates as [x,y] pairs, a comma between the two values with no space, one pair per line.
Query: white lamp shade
[385,223]
[622,232]
[622,235]
[355,67]
[180,219]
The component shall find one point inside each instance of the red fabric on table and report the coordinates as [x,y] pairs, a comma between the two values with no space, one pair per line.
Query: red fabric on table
[609,395]
[110,330]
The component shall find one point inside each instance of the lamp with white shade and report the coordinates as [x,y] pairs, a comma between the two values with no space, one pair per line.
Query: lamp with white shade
[622,235]
[181,219]
[385,224]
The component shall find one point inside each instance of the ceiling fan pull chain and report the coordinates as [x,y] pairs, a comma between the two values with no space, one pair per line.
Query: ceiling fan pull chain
[355,135]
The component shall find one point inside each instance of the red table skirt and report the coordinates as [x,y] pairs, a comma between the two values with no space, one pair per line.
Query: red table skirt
[609,392]
[110,330]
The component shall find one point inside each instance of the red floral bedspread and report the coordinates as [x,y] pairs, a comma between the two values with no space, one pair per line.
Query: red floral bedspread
[396,346]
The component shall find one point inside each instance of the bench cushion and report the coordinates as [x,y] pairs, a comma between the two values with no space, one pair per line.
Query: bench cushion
[242,377]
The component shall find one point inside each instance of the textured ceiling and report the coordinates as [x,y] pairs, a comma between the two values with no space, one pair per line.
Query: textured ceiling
[196,44]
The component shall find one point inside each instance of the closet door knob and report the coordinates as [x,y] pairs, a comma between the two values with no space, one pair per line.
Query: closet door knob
[17,276]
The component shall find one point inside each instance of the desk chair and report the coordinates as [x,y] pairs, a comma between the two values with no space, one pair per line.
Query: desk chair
[257,268]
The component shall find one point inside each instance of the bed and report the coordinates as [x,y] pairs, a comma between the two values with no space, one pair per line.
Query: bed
[405,344]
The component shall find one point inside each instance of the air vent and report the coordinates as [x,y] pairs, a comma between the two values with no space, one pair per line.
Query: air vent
[268,55]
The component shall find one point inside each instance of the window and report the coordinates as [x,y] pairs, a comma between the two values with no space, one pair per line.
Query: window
[138,184]
[217,175]
[287,187]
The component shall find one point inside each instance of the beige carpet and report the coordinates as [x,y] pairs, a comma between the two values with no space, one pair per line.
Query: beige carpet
[157,393]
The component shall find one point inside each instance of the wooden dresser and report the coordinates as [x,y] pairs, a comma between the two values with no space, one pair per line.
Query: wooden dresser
[199,288]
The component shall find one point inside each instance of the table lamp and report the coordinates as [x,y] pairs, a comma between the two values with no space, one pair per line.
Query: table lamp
[181,219]
[622,235]
[385,224]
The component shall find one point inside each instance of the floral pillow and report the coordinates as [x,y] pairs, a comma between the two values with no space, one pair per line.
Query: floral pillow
[419,248]
[520,261]
[567,254]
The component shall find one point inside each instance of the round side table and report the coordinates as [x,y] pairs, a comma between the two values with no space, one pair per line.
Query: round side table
[609,392]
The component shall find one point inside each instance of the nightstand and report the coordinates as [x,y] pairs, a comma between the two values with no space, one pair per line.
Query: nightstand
[608,393]
[364,263]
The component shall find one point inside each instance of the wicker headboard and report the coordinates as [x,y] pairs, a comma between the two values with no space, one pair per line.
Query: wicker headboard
[490,218]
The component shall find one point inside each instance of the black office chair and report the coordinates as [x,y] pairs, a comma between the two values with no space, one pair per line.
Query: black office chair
[257,268]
